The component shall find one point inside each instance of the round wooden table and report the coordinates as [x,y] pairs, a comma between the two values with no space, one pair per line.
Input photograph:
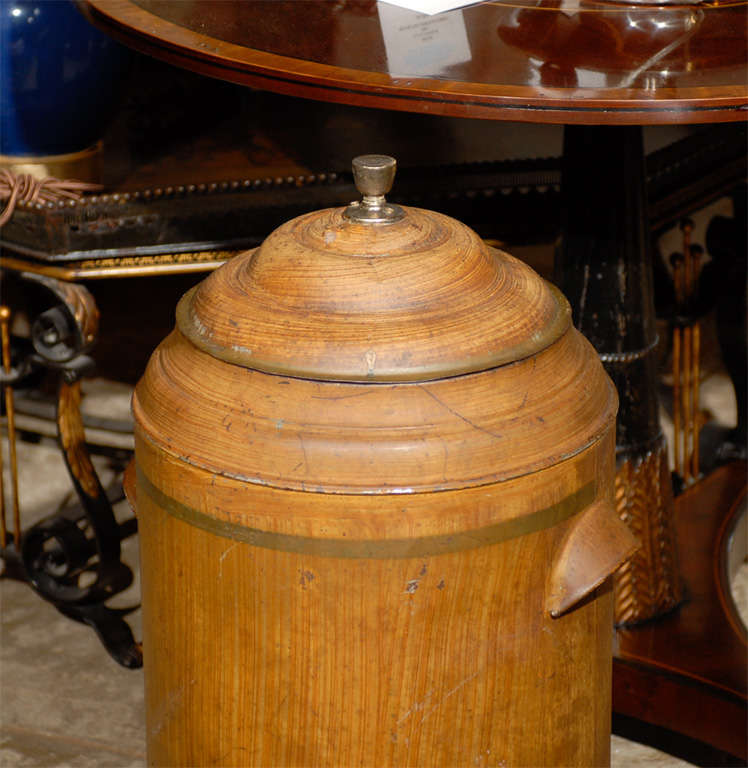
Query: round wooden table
[553,61]
[603,68]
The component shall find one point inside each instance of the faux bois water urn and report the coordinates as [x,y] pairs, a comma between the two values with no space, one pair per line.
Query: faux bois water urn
[374,473]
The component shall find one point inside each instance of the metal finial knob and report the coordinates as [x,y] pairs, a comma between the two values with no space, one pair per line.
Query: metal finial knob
[373,176]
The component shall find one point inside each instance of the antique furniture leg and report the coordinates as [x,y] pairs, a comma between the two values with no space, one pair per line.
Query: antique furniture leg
[681,680]
[72,559]
[10,418]
[605,270]
[680,656]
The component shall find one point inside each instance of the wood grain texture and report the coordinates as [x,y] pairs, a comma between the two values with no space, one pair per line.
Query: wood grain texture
[335,437]
[586,62]
[343,573]
[324,299]
[329,298]
[237,507]
[428,658]
[257,656]
[596,546]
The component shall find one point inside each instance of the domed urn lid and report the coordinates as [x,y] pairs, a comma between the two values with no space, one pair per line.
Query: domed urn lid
[373,293]
[373,350]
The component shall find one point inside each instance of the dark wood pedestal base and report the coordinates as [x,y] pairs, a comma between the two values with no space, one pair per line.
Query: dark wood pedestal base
[681,679]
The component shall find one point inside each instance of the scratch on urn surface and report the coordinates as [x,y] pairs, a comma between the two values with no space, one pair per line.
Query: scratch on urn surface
[173,702]
[223,557]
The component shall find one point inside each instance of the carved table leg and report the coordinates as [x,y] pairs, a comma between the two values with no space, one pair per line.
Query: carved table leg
[605,270]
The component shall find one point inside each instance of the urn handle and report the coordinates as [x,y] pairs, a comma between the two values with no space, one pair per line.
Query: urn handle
[130,487]
[373,176]
[597,543]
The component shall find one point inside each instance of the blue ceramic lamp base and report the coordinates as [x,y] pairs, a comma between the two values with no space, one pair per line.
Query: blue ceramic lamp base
[60,84]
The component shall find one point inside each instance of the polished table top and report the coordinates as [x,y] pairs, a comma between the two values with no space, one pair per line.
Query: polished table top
[554,61]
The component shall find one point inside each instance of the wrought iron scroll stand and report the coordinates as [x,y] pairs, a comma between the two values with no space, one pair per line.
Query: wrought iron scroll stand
[71,558]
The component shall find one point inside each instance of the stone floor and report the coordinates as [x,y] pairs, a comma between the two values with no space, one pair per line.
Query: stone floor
[63,701]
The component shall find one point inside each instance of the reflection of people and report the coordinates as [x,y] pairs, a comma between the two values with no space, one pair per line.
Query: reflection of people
[722,284]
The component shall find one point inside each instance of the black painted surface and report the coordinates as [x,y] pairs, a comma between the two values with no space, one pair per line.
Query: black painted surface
[605,268]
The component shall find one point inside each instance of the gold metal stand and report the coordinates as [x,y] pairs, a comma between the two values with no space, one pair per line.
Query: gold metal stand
[686,367]
[11,422]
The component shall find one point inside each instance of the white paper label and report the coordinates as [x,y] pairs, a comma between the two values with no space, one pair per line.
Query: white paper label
[422,45]
[429,6]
